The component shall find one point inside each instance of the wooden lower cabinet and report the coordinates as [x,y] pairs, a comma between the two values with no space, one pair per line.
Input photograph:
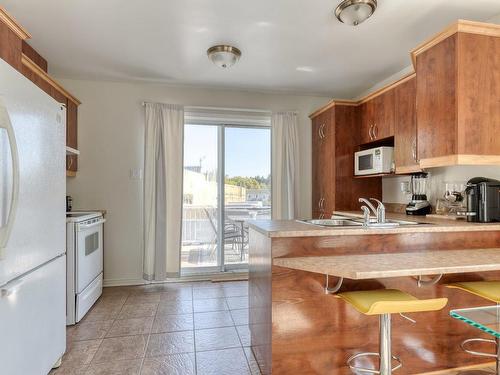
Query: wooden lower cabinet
[334,140]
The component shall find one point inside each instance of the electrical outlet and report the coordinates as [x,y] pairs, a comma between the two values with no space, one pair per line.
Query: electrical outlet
[405,187]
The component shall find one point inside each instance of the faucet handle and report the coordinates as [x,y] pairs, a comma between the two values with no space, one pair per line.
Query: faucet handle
[366,215]
[380,204]
[380,210]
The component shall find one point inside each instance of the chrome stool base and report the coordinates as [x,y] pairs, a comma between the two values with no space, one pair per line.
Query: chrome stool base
[464,344]
[368,370]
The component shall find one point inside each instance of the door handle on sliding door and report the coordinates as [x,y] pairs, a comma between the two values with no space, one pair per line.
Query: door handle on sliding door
[10,210]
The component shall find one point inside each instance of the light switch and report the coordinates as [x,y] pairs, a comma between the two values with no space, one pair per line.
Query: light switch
[136,174]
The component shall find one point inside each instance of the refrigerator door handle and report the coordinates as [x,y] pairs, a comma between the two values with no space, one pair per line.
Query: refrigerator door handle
[6,229]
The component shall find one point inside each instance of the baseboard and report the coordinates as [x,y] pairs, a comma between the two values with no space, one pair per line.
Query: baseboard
[123,282]
[223,276]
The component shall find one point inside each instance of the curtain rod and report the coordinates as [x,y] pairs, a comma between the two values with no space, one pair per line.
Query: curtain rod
[194,108]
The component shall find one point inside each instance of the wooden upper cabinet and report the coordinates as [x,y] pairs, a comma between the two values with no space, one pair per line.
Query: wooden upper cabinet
[377,117]
[458,91]
[383,118]
[405,131]
[366,110]
[335,137]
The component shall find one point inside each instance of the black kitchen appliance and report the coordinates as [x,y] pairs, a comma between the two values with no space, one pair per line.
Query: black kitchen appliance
[419,205]
[483,200]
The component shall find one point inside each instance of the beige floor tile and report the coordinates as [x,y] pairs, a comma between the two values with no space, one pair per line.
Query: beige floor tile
[80,352]
[170,343]
[125,367]
[172,323]
[175,364]
[216,338]
[244,334]
[211,304]
[222,362]
[214,319]
[138,311]
[88,330]
[133,326]
[204,293]
[235,291]
[175,307]
[181,294]
[120,348]
[235,303]
[140,298]
[69,369]
[102,312]
[240,317]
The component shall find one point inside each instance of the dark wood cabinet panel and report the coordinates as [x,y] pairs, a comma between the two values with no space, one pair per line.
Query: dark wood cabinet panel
[71,125]
[10,46]
[34,56]
[478,94]
[72,163]
[383,117]
[436,103]
[405,131]
[316,124]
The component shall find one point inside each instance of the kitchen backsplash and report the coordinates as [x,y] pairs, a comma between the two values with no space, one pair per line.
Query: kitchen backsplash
[391,186]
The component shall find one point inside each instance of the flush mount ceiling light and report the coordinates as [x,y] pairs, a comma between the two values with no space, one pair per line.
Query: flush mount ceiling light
[353,12]
[224,56]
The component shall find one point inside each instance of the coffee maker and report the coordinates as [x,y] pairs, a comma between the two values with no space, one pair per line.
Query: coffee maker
[419,205]
[483,200]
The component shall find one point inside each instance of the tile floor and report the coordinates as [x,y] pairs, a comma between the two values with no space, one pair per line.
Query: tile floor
[176,329]
[165,329]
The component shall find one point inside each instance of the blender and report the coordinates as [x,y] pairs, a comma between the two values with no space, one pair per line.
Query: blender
[419,205]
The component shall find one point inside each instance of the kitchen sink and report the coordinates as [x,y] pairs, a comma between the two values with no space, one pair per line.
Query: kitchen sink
[332,222]
[354,221]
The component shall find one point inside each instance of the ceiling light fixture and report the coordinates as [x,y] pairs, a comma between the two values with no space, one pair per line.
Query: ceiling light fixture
[354,12]
[224,56]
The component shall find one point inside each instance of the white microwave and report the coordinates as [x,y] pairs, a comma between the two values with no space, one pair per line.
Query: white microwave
[374,161]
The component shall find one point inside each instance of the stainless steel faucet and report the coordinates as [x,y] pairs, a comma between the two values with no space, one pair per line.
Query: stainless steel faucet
[379,212]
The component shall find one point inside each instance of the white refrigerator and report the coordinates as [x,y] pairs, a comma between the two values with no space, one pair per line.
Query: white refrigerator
[32,227]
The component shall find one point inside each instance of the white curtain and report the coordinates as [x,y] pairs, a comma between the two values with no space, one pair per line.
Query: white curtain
[285,164]
[163,170]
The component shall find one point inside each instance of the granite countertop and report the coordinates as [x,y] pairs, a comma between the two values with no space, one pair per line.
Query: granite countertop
[294,228]
[374,266]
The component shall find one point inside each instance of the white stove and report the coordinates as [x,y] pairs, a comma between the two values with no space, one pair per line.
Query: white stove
[84,249]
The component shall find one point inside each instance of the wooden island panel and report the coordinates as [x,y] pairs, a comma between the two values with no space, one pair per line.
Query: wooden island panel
[313,333]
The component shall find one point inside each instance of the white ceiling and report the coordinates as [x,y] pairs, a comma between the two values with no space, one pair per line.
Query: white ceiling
[166,40]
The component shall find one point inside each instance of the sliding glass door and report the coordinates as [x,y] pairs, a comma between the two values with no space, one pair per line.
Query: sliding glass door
[227,181]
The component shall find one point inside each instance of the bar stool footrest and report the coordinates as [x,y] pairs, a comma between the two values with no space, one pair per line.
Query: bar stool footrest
[464,344]
[368,370]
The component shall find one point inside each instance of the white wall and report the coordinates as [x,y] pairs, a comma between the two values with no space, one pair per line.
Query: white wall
[110,139]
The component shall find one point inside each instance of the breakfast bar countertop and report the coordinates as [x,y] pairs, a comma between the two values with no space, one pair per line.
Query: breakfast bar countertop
[295,228]
[421,263]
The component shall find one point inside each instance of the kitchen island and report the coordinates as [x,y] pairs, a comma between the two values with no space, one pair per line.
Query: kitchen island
[297,328]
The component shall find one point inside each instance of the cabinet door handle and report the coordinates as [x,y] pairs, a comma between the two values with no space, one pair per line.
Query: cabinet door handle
[320,131]
[323,131]
[375,131]
[370,132]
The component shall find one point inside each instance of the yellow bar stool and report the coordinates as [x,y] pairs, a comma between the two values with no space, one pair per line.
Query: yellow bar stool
[489,290]
[384,302]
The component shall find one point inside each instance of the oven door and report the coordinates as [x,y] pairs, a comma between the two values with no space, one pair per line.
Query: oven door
[89,253]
